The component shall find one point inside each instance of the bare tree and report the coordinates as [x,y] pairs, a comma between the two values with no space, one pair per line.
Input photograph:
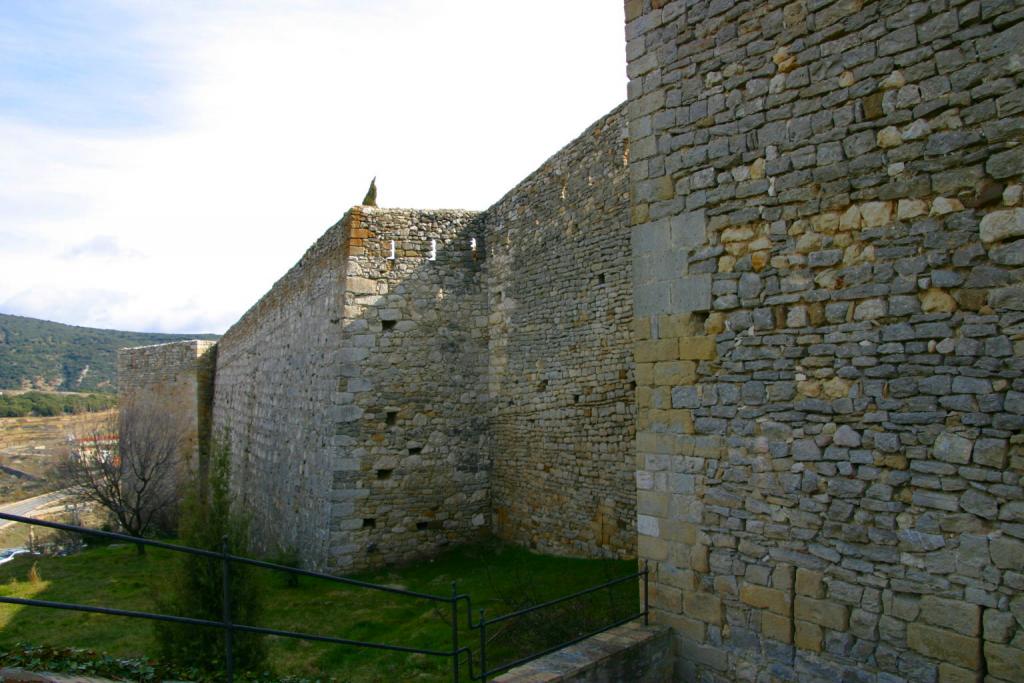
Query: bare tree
[130,466]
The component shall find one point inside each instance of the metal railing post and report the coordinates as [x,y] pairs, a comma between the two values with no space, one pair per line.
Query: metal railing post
[455,633]
[229,655]
[647,610]
[483,647]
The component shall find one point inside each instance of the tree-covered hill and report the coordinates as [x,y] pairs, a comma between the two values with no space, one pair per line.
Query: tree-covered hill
[39,354]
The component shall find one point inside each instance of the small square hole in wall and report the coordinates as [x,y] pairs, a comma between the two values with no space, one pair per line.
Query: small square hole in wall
[391,418]
[414,450]
[600,278]
[384,474]
[388,325]
[576,398]
[421,526]
[369,523]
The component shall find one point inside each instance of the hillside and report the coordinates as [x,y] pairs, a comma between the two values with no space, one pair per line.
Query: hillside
[38,354]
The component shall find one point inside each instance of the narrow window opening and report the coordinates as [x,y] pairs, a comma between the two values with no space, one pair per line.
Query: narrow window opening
[387,325]
[472,244]
[421,526]
[576,398]
[632,386]
[415,450]
[391,256]
[391,418]
[433,251]
[369,523]
[384,474]
[600,278]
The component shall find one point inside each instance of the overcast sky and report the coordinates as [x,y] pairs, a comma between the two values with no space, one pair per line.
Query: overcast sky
[163,163]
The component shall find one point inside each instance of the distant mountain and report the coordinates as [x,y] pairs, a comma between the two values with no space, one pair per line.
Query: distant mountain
[38,354]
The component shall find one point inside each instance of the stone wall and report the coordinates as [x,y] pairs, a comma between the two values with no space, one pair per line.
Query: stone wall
[411,474]
[173,377]
[560,365]
[830,330]
[351,394]
[277,374]
[631,652]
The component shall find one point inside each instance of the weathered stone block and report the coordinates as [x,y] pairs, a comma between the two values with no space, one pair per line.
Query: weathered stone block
[807,636]
[1004,661]
[777,627]
[822,612]
[810,583]
[704,606]
[957,615]
[766,598]
[944,645]
[697,348]
[656,350]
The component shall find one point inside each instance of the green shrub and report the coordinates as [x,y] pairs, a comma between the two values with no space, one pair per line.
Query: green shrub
[195,588]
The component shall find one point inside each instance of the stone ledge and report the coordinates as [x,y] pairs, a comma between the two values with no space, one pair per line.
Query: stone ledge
[631,652]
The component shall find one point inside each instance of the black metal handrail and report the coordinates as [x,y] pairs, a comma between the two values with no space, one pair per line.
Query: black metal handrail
[228,626]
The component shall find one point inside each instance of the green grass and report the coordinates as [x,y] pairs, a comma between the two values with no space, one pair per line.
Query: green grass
[499,577]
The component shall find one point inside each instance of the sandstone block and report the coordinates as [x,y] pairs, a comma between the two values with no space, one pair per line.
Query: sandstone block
[822,612]
[673,373]
[656,350]
[807,636]
[697,348]
[777,627]
[809,583]
[1004,661]
[1001,225]
[949,673]
[704,606]
[944,645]
[959,616]
[765,598]
[876,214]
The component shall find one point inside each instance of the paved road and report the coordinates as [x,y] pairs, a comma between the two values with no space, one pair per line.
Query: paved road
[26,507]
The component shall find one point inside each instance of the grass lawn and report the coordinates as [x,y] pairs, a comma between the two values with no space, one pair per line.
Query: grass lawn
[499,577]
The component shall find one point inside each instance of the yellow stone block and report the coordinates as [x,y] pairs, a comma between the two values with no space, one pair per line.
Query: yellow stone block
[697,348]
[655,350]
[704,606]
[777,627]
[807,636]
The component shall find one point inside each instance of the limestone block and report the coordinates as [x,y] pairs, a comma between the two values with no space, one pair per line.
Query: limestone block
[765,598]
[822,612]
[808,636]
[1001,225]
[810,583]
[957,615]
[777,627]
[944,645]
[704,606]
[697,348]
[1004,661]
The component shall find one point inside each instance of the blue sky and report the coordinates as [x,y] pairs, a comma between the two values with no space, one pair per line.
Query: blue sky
[79,65]
[135,132]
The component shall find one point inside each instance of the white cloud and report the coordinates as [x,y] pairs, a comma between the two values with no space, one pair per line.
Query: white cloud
[274,122]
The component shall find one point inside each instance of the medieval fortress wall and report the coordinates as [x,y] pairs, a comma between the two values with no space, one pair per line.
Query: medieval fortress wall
[560,364]
[176,377]
[420,378]
[828,235]
[790,331]
[410,472]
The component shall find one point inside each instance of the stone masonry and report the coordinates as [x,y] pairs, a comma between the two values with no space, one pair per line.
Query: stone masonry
[174,377]
[422,377]
[560,363]
[792,294]
[827,249]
